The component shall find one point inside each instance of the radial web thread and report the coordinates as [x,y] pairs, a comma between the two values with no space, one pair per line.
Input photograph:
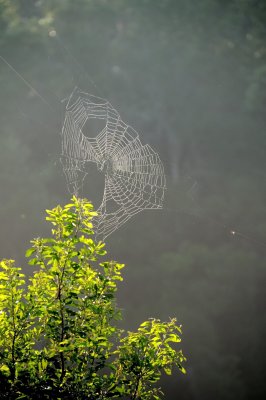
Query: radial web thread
[134,173]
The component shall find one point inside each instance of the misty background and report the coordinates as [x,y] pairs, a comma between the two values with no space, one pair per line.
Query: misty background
[190,77]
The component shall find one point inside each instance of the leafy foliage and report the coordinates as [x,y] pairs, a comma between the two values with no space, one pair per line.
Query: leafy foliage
[58,337]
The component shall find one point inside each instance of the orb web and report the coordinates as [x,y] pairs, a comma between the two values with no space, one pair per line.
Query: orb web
[134,174]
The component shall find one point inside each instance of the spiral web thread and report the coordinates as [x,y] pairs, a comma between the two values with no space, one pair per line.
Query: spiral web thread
[134,174]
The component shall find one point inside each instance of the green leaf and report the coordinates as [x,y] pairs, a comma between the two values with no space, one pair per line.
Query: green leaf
[30,251]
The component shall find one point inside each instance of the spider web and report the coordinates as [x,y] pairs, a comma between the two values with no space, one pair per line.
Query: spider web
[134,174]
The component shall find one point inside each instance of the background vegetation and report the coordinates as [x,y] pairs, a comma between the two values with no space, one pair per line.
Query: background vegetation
[190,77]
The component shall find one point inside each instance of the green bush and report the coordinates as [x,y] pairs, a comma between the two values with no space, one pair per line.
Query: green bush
[59,337]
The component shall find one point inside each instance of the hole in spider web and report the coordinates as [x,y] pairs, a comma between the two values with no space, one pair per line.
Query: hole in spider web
[93,127]
[111,206]
[93,185]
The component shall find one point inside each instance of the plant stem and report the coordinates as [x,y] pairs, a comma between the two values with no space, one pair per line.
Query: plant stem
[136,388]
[60,282]
[13,361]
